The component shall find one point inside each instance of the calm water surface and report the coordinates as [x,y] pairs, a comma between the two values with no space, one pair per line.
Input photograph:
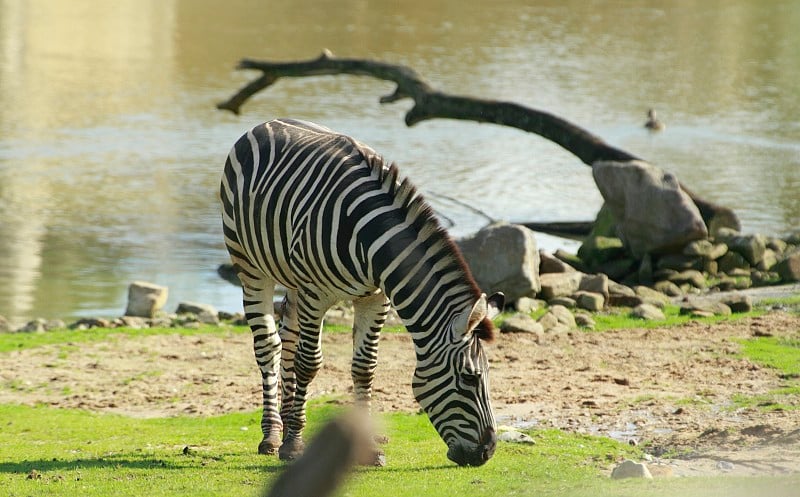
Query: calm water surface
[111,147]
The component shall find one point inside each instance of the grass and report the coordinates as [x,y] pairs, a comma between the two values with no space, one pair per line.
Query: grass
[782,355]
[55,452]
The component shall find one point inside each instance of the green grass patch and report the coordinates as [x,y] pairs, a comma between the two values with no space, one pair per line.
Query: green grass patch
[620,318]
[782,355]
[57,452]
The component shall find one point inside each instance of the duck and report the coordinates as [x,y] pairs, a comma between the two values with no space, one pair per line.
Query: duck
[653,124]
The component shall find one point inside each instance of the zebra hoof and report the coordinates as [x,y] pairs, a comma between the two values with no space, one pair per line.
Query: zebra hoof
[291,449]
[268,446]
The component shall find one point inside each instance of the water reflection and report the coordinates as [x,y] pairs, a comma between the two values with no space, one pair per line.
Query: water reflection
[110,146]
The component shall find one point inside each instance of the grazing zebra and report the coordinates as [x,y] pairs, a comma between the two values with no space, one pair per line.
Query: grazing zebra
[325,216]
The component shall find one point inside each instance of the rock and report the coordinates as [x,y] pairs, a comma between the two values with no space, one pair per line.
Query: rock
[558,318]
[570,259]
[645,272]
[651,296]
[205,313]
[653,213]
[559,284]
[648,312]
[680,262]
[513,436]
[527,305]
[596,283]
[739,303]
[34,326]
[751,247]
[789,268]
[88,323]
[585,320]
[503,258]
[145,299]
[548,263]
[705,249]
[668,288]
[590,301]
[521,323]
[567,302]
[768,260]
[732,260]
[692,277]
[624,300]
[703,308]
[630,469]
[599,249]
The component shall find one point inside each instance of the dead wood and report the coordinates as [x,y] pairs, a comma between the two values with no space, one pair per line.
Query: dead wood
[430,103]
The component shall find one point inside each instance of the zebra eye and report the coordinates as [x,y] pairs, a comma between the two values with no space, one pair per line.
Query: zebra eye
[470,379]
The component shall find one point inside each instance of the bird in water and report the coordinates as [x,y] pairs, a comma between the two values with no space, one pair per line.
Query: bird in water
[653,124]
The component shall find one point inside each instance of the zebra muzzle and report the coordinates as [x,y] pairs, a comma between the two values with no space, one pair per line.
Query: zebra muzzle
[474,455]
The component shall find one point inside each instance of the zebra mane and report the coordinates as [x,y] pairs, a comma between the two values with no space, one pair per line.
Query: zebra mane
[418,208]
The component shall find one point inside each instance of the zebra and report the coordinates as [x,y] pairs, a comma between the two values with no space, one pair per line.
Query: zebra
[326,217]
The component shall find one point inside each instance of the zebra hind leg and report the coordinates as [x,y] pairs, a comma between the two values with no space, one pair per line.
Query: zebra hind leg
[370,315]
[259,311]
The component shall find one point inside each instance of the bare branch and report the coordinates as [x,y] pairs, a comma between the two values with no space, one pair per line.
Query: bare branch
[431,104]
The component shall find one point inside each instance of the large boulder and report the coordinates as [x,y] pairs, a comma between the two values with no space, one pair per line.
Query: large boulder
[654,214]
[503,258]
[145,299]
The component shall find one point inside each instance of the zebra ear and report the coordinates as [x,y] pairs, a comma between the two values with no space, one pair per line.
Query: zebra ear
[496,303]
[466,322]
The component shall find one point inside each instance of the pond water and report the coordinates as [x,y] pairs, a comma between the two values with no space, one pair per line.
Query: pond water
[111,147]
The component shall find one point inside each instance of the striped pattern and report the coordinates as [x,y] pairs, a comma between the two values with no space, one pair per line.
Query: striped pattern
[324,216]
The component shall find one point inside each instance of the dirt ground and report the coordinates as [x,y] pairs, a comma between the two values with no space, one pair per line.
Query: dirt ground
[668,389]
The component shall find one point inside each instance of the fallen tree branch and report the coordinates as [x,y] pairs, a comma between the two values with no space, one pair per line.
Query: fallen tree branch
[431,104]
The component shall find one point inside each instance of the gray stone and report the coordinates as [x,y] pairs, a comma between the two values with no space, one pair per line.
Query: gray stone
[558,318]
[704,308]
[653,212]
[585,320]
[599,249]
[521,323]
[548,263]
[768,260]
[789,268]
[38,325]
[590,301]
[205,313]
[511,435]
[691,277]
[752,247]
[739,303]
[651,296]
[648,312]
[615,288]
[596,283]
[645,272]
[705,249]
[680,262]
[559,284]
[624,300]
[567,302]
[527,304]
[503,258]
[145,299]
[668,288]
[630,469]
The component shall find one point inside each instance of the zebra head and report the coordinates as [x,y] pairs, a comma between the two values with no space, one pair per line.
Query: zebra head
[452,384]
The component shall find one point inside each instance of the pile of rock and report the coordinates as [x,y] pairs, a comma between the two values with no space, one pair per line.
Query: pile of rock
[726,261]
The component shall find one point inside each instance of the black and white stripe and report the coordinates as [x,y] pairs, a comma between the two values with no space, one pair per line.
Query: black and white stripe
[324,216]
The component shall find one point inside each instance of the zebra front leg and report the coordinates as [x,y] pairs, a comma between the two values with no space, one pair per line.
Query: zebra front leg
[259,310]
[307,362]
[370,315]
[289,333]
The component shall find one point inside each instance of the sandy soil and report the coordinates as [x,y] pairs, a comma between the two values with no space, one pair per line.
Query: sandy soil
[669,389]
